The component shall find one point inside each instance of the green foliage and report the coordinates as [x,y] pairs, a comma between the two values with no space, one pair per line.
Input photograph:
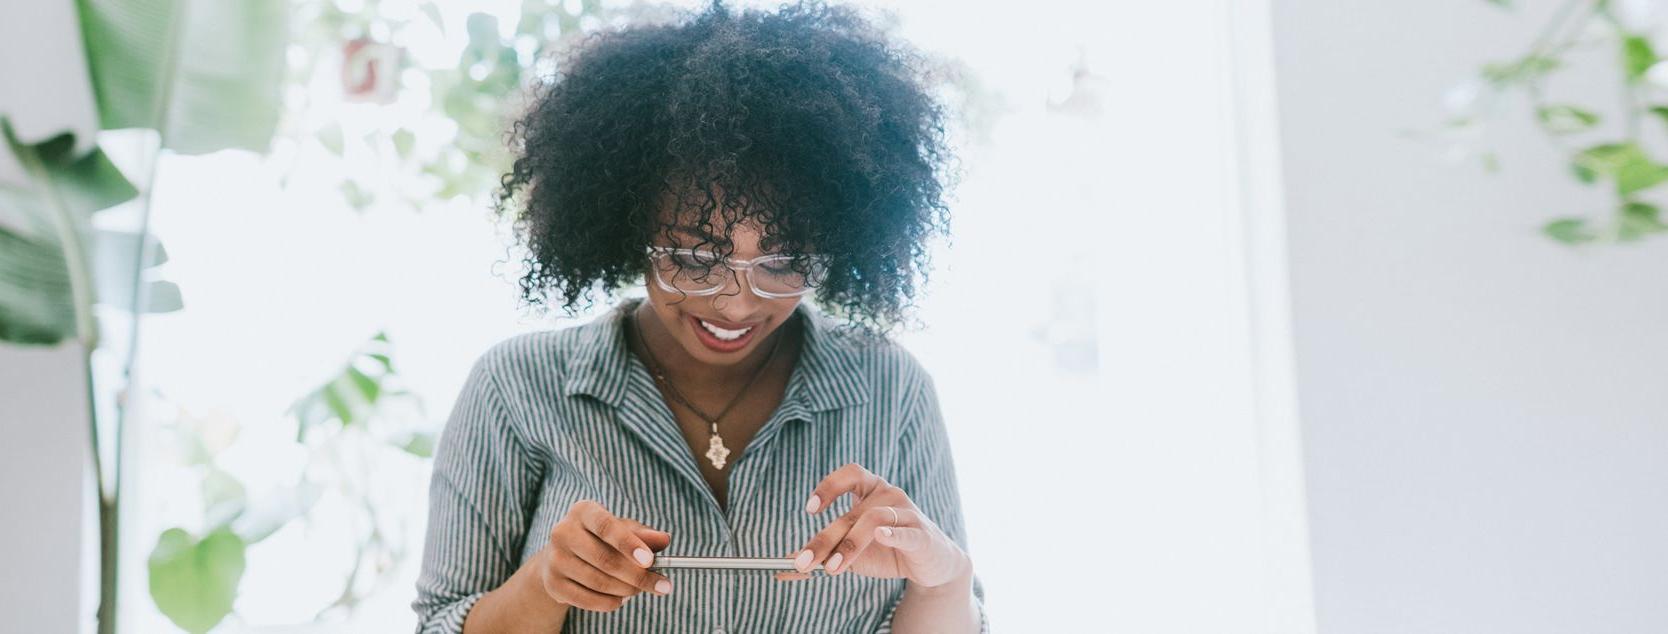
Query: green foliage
[350,397]
[355,395]
[115,254]
[191,588]
[1637,57]
[156,64]
[204,76]
[1632,170]
[1624,163]
[478,95]
[163,65]
[194,582]
[1529,68]
[1639,220]
[1569,231]
[46,285]
[1566,119]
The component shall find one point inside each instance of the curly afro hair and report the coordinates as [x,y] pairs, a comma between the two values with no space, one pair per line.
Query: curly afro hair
[808,122]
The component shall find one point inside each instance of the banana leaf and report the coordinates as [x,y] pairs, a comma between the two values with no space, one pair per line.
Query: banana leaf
[207,75]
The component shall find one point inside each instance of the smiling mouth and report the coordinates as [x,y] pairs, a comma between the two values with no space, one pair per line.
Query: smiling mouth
[723,334]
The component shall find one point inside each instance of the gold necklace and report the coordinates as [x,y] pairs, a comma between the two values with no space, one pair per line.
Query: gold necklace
[716,451]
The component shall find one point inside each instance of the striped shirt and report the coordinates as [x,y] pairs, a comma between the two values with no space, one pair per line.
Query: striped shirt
[551,417]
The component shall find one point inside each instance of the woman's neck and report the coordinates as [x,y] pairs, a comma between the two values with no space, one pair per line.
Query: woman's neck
[693,375]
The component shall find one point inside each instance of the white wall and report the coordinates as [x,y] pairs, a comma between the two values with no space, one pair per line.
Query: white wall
[45,489]
[1485,412]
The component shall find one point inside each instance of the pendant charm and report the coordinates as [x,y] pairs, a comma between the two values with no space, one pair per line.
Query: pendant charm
[716,452]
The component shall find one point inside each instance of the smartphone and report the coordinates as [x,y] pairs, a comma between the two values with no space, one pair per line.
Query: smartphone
[730,563]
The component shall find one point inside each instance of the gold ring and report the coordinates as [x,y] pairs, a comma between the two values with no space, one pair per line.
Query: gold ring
[894,515]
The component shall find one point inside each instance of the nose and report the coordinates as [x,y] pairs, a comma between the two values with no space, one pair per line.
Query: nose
[737,302]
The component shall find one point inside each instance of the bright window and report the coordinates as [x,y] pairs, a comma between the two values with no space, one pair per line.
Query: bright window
[1097,330]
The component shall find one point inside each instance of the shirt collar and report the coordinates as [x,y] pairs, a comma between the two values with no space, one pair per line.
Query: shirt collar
[828,374]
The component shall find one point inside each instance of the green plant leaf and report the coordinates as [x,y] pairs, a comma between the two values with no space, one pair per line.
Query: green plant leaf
[338,404]
[357,197]
[352,396]
[1637,220]
[194,582]
[47,288]
[433,12]
[87,183]
[162,296]
[404,141]
[1607,158]
[1632,169]
[420,445]
[1566,119]
[1571,231]
[1638,175]
[36,301]
[208,75]
[330,136]
[1583,173]
[369,388]
[1520,71]
[1637,57]
[115,254]
[224,498]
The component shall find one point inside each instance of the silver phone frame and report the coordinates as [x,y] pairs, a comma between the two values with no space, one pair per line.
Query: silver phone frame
[729,563]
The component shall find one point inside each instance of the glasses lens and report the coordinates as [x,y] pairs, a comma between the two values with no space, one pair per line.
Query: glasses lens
[690,271]
[778,275]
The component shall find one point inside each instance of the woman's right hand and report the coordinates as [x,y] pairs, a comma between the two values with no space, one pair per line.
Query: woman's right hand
[596,561]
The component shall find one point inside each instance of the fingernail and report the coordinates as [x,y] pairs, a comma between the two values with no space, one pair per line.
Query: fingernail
[663,586]
[644,557]
[803,561]
[811,504]
[834,563]
[886,530]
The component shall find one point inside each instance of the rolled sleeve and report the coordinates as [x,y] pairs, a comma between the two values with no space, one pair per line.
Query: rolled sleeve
[928,475]
[481,495]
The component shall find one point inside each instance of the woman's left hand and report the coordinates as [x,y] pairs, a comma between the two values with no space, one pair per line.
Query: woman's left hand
[868,542]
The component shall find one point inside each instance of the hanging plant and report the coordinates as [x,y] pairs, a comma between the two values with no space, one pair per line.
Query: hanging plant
[1610,148]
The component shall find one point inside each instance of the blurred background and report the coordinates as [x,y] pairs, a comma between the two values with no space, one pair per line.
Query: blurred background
[1272,316]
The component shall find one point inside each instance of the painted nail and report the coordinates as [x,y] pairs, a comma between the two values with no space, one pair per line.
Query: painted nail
[663,586]
[803,561]
[834,562]
[644,557]
[811,504]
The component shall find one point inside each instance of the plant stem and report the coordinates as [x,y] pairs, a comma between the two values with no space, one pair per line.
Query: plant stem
[70,238]
[109,520]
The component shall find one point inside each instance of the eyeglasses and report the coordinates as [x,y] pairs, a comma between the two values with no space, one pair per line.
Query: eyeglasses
[697,272]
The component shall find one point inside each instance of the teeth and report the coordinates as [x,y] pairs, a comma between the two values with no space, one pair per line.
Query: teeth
[726,335]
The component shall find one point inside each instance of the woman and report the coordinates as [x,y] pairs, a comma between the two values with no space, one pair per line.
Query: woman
[734,164]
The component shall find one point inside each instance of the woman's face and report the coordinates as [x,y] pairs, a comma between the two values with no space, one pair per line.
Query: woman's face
[727,327]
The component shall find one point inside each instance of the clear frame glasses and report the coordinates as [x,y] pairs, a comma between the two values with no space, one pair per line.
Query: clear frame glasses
[701,272]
